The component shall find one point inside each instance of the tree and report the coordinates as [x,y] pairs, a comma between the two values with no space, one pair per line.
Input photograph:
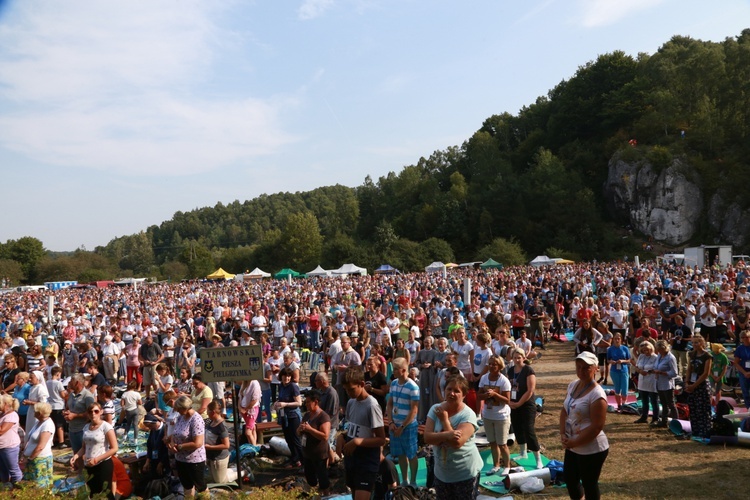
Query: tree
[173,270]
[237,260]
[11,273]
[559,253]
[198,259]
[385,237]
[27,251]
[301,243]
[138,253]
[507,252]
[437,250]
[339,250]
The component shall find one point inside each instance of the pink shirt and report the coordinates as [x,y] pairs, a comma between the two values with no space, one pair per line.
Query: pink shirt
[131,353]
[10,439]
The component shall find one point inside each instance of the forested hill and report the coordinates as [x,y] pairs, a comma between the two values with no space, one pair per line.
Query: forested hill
[527,183]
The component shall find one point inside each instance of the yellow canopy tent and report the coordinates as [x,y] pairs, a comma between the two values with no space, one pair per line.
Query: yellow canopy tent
[220,274]
[564,261]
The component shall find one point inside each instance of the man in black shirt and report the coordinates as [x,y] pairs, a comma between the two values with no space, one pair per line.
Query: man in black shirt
[97,379]
[493,319]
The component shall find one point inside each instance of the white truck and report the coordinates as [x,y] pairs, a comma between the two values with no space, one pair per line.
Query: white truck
[708,255]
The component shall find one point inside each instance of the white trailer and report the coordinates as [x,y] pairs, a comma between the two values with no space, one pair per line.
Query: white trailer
[708,255]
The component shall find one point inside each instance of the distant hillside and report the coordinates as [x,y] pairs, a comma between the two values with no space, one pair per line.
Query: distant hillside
[521,185]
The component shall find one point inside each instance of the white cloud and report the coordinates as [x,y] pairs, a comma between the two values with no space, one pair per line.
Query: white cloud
[535,11]
[310,9]
[596,13]
[396,83]
[112,85]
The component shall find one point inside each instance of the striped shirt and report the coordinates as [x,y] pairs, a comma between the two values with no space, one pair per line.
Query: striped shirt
[402,397]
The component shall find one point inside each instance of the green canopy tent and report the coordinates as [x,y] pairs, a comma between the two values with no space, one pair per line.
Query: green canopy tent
[286,272]
[491,264]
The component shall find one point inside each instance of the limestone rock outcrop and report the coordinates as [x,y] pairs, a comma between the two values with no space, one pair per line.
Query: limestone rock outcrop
[663,204]
[729,221]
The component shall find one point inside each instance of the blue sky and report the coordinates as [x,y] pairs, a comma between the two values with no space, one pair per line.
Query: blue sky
[115,115]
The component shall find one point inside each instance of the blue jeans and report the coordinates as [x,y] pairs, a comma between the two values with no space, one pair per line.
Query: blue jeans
[76,440]
[314,342]
[265,404]
[9,470]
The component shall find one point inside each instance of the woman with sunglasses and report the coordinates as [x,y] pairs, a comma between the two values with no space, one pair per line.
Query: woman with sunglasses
[99,446]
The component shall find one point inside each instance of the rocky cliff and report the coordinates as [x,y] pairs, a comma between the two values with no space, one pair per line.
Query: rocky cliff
[662,203]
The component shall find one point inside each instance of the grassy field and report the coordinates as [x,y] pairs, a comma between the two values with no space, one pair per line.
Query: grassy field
[642,462]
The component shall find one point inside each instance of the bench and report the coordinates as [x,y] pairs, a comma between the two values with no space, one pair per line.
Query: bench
[267,429]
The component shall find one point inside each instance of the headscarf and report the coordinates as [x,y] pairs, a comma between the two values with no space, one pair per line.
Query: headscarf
[42,385]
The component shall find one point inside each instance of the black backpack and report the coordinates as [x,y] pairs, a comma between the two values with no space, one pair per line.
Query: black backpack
[157,488]
[720,426]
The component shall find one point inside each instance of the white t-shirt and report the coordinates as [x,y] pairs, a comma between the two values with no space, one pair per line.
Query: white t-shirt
[96,440]
[130,400]
[493,410]
[579,417]
[524,344]
[168,342]
[710,319]
[35,434]
[481,358]
[463,352]
[166,380]
[275,375]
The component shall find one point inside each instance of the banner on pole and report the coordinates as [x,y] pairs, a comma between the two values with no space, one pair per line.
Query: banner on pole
[232,363]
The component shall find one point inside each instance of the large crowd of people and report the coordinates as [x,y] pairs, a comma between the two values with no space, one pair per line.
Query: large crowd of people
[400,355]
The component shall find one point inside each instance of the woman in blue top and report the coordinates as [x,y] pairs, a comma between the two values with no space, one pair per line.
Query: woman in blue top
[21,393]
[450,428]
[618,357]
[666,371]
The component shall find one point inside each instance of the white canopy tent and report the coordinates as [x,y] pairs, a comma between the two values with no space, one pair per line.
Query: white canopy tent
[319,271]
[255,274]
[350,269]
[435,267]
[542,260]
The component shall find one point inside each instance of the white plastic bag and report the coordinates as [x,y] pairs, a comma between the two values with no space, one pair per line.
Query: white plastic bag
[279,446]
[532,485]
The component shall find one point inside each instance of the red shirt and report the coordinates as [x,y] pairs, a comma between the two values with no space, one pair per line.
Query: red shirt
[124,487]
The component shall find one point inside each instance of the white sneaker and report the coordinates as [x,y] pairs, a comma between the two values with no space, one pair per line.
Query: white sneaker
[493,471]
